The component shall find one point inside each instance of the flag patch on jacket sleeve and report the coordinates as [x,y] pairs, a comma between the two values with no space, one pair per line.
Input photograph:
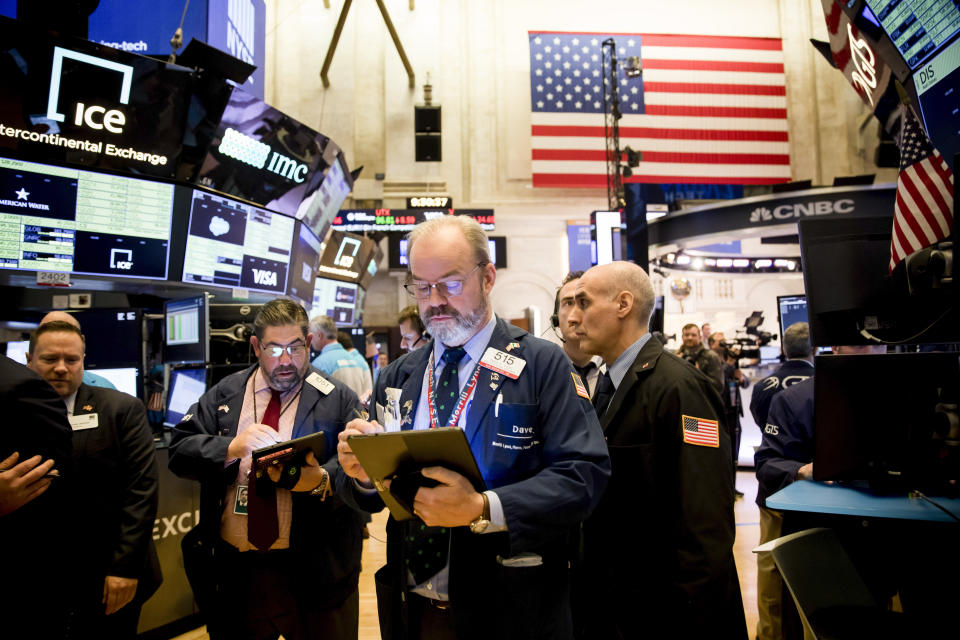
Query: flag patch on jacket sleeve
[579,386]
[700,431]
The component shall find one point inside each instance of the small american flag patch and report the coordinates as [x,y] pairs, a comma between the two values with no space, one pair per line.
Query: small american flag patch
[700,431]
[581,388]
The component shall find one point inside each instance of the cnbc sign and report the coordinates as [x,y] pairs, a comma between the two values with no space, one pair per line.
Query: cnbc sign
[243,148]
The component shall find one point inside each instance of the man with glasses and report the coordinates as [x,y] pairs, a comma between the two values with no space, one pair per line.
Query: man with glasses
[491,564]
[277,553]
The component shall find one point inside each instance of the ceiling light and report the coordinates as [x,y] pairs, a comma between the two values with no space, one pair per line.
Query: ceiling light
[764,263]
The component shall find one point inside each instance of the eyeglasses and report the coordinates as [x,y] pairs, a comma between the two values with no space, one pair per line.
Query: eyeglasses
[295,350]
[420,289]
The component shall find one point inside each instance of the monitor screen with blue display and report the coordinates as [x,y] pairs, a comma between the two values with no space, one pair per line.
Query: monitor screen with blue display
[186,387]
[792,309]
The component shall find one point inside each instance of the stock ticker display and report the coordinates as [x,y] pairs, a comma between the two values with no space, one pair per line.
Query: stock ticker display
[58,219]
[232,244]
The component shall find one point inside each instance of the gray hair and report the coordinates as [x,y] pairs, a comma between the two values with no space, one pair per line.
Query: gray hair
[280,312]
[323,325]
[796,340]
[472,232]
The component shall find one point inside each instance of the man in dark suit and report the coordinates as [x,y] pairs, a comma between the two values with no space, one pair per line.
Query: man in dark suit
[659,547]
[34,442]
[494,563]
[113,488]
[797,368]
[284,558]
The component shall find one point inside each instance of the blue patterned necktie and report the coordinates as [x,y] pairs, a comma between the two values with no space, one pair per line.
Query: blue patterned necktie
[426,548]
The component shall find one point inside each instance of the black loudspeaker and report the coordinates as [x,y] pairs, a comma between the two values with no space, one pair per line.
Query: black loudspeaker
[428,148]
[426,119]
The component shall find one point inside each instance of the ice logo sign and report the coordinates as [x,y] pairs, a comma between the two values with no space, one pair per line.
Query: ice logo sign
[93,116]
[121,259]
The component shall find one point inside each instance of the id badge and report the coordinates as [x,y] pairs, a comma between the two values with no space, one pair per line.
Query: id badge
[240,502]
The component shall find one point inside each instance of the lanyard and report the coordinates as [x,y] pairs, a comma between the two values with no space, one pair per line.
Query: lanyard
[461,403]
[282,411]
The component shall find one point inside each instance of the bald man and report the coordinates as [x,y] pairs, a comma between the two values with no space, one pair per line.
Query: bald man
[659,547]
[89,377]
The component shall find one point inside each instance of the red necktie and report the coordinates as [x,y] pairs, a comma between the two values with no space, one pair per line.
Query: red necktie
[263,527]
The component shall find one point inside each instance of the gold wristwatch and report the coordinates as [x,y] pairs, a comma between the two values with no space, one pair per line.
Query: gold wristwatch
[323,489]
[480,524]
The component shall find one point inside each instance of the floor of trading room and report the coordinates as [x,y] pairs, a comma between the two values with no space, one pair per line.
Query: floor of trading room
[748,535]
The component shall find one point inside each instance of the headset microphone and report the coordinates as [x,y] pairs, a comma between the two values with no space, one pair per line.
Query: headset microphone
[555,318]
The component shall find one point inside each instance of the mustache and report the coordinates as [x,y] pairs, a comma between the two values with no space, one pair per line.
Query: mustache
[440,311]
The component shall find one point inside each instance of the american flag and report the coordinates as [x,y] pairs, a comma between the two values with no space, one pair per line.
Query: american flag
[708,109]
[923,213]
[701,431]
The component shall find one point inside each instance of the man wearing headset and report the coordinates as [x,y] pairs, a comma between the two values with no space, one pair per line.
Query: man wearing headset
[411,328]
[586,365]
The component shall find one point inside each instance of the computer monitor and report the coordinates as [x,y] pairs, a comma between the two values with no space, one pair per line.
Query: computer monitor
[123,378]
[335,299]
[186,387]
[397,249]
[17,350]
[790,310]
[875,416]
[114,338]
[186,337]
[303,266]
[851,295]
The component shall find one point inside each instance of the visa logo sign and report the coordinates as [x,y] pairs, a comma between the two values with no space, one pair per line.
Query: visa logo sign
[265,278]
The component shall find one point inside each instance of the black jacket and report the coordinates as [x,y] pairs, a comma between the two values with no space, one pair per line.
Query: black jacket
[789,374]
[659,547]
[32,543]
[326,535]
[116,484]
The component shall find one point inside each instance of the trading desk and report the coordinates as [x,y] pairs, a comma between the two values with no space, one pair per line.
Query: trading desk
[820,497]
[898,544]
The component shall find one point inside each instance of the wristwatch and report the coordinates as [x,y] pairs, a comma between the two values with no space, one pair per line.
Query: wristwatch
[480,524]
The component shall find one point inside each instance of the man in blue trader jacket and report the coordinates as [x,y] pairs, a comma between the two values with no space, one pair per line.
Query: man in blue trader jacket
[502,571]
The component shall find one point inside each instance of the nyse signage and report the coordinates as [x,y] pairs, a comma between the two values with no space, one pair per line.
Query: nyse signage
[772,210]
[91,105]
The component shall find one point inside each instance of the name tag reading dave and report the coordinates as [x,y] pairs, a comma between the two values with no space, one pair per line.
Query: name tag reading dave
[503,362]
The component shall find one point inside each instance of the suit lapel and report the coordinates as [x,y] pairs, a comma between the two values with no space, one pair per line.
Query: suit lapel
[644,363]
[84,403]
[411,383]
[489,382]
[309,397]
[229,406]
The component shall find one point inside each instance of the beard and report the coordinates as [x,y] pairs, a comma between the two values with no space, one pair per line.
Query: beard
[281,383]
[459,328]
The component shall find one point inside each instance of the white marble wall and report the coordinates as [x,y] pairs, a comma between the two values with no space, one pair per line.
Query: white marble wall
[476,53]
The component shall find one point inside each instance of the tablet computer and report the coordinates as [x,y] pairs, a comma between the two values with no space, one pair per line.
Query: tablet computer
[399,456]
[295,449]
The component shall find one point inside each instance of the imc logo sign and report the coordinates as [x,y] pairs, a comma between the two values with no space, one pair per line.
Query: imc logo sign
[93,116]
[247,150]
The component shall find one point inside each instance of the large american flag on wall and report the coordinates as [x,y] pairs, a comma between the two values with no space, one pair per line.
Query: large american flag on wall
[708,109]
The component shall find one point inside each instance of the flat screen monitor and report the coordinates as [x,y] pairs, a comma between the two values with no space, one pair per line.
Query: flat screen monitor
[185,388]
[60,219]
[67,100]
[790,310]
[17,350]
[260,154]
[123,378]
[917,28]
[186,338]
[606,234]
[397,249]
[303,266]
[850,291]
[347,257]
[114,337]
[325,193]
[874,415]
[233,244]
[335,299]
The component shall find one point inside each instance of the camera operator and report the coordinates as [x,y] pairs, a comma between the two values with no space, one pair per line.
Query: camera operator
[694,352]
[733,381]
